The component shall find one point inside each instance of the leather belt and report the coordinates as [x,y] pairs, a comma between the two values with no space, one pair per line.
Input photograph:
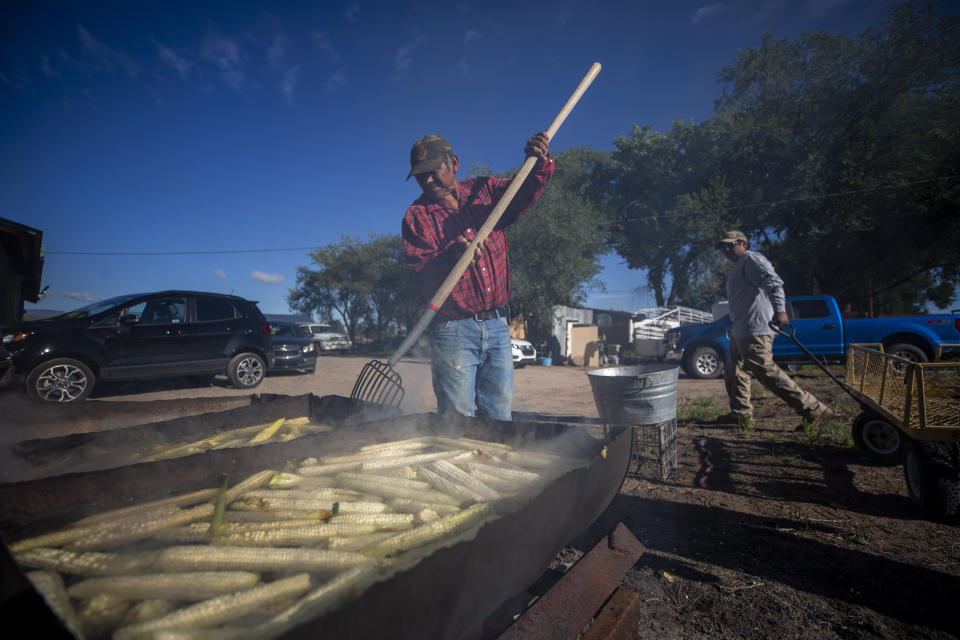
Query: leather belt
[490,315]
[479,317]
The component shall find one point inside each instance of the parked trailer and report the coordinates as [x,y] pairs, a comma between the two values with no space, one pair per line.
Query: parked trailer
[912,411]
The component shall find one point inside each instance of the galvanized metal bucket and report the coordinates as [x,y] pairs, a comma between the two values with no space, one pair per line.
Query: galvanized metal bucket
[638,394]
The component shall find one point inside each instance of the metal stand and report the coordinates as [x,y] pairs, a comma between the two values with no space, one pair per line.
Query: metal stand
[655,448]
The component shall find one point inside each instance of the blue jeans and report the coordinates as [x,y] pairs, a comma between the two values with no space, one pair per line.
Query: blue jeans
[472,364]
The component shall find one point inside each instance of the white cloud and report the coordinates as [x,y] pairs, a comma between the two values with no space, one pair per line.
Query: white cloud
[463,67]
[266,278]
[471,36]
[323,43]
[404,56]
[171,59]
[105,57]
[288,83]
[226,55]
[220,274]
[336,81]
[277,49]
[47,69]
[350,12]
[706,12]
[74,295]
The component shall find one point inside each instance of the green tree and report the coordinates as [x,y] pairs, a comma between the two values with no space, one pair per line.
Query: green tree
[667,201]
[845,152]
[554,247]
[341,283]
[837,155]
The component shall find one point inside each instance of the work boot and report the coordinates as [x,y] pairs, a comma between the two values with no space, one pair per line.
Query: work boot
[817,418]
[742,421]
[732,417]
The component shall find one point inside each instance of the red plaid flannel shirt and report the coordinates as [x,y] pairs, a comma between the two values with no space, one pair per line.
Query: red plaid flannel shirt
[429,235]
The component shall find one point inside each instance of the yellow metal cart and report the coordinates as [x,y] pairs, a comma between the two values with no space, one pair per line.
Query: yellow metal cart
[911,412]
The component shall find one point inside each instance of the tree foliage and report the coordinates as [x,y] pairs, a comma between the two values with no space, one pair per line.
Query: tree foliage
[363,282]
[555,246]
[837,155]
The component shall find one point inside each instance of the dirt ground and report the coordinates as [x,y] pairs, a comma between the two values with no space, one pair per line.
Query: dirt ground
[766,533]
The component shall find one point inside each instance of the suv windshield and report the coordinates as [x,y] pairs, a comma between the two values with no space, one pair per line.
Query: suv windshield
[284,330]
[321,328]
[97,307]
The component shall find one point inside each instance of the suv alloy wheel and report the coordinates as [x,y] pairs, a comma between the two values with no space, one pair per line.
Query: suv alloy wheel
[246,370]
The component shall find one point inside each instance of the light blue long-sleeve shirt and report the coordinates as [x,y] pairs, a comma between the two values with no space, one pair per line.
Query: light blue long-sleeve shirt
[755,293]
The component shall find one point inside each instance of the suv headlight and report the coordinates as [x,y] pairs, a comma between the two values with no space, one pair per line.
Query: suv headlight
[14,337]
[309,348]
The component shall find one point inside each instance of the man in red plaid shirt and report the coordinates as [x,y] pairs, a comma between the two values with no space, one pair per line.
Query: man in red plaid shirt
[472,363]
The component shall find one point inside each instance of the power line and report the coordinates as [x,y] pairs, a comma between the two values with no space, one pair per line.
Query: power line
[664,215]
[174,253]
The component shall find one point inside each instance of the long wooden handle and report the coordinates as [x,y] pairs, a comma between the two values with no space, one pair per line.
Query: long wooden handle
[451,280]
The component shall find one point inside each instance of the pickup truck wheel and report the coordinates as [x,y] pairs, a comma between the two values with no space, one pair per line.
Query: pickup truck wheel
[60,380]
[246,370]
[877,439]
[930,470]
[703,362]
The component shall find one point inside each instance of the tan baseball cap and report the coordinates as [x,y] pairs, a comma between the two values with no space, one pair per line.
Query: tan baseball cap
[729,238]
[427,154]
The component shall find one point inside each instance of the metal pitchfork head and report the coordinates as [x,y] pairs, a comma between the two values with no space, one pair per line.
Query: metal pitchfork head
[378,383]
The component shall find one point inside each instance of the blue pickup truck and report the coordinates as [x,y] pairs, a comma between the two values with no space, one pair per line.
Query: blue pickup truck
[819,327]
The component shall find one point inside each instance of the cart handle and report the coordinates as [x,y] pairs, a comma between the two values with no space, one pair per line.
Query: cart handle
[790,331]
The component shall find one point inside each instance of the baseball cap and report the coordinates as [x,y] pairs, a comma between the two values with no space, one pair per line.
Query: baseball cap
[730,237]
[427,154]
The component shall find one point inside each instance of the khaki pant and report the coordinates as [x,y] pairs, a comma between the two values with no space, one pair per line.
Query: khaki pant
[753,356]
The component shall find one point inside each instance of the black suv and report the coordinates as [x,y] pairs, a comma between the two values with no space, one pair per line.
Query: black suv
[145,335]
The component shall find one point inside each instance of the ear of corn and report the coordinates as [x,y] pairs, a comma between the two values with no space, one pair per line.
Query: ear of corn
[185,500]
[117,536]
[448,487]
[369,456]
[306,535]
[372,483]
[388,521]
[276,516]
[501,472]
[255,481]
[387,487]
[405,505]
[408,444]
[194,585]
[328,469]
[358,543]
[214,611]
[217,558]
[504,486]
[88,563]
[280,503]
[406,461]
[461,477]
[313,493]
[267,433]
[433,531]
[50,586]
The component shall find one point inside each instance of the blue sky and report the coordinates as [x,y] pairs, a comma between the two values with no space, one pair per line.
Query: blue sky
[230,131]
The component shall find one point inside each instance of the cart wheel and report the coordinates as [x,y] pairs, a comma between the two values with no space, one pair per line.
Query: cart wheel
[877,439]
[930,470]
